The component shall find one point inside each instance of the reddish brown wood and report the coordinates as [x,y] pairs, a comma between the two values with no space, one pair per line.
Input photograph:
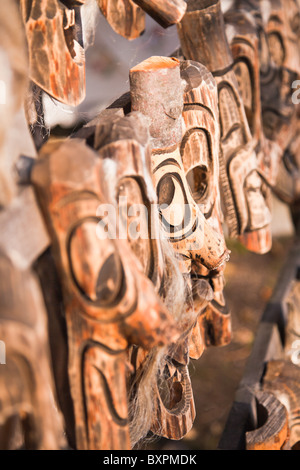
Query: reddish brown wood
[157,91]
[124,16]
[273,433]
[56,54]
[13,87]
[29,415]
[203,39]
[165,12]
[109,302]
[125,141]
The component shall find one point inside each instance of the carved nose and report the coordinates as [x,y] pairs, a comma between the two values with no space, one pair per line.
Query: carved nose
[210,248]
[214,251]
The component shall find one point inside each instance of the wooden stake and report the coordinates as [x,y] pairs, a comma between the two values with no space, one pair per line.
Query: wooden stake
[165,12]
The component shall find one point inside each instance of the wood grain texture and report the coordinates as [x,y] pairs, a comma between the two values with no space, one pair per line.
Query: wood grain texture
[124,140]
[124,16]
[109,303]
[199,151]
[165,12]
[164,108]
[29,416]
[56,54]
[13,88]
[246,211]
[273,434]
[282,380]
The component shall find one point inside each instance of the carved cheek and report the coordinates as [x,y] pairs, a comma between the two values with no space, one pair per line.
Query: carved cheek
[95,265]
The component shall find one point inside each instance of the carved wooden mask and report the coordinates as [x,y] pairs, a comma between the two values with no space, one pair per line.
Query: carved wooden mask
[199,150]
[56,54]
[280,114]
[203,39]
[185,227]
[109,302]
[28,416]
[125,141]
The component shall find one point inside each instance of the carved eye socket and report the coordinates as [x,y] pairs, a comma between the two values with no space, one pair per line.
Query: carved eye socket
[166,191]
[95,265]
[197,179]
[171,200]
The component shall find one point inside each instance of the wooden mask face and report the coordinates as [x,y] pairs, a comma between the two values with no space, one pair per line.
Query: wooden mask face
[279,69]
[265,76]
[182,221]
[109,302]
[199,149]
[56,53]
[125,141]
[245,207]
[280,114]
[200,144]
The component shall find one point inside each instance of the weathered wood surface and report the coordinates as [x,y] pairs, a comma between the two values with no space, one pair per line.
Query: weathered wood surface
[124,16]
[55,49]
[203,39]
[273,434]
[292,330]
[108,305]
[13,86]
[29,417]
[272,344]
[282,380]
[249,48]
[164,109]
[175,195]
[199,151]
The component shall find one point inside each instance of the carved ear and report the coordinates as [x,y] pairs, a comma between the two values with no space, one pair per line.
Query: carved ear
[56,54]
